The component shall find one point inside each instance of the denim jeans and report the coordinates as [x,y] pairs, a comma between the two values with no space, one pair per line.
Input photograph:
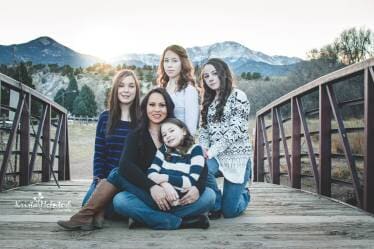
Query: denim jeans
[123,184]
[147,212]
[235,197]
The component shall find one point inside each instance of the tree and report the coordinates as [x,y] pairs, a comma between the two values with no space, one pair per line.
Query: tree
[139,73]
[350,47]
[22,75]
[256,76]
[149,77]
[85,104]
[71,93]
[67,70]
[59,97]
[248,76]
[355,45]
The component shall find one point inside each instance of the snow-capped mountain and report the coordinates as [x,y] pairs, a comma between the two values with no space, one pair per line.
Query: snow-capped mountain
[137,59]
[240,58]
[45,50]
[233,51]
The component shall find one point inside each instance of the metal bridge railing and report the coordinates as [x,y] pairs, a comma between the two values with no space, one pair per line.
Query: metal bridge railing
[284,131]
[33,133]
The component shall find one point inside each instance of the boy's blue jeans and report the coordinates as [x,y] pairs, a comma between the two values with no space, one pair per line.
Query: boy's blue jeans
[235,197]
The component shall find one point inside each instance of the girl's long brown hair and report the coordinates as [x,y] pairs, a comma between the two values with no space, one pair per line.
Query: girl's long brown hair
[114,103]
[187,69]
[226,85]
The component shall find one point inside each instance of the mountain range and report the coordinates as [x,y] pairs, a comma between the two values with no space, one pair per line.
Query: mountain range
[45,50]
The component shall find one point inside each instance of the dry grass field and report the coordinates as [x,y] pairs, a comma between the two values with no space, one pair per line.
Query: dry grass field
[81,148]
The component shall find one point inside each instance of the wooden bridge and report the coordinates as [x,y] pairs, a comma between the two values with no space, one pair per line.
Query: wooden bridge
[279,216]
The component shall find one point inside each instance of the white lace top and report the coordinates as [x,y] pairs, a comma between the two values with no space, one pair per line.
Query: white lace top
[228,140]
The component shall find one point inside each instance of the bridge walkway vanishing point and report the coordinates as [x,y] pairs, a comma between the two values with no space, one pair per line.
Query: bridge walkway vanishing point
[277,217]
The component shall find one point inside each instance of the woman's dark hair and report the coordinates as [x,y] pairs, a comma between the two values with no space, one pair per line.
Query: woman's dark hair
[114,103]
[226,85]
[187,69]
[188,140]
[143,121]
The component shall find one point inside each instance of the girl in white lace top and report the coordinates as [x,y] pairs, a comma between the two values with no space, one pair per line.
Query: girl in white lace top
[175,73]
[225,138]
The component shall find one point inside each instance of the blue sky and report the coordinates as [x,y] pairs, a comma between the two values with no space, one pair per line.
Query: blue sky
[112,27]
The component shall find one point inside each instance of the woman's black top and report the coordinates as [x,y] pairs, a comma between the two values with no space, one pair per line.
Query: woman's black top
[137,157]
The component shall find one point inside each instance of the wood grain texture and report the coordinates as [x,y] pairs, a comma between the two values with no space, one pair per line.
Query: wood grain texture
[277,217]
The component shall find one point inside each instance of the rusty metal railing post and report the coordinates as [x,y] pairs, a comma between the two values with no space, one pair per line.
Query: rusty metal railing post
[25,142]
[369,140]
[67,159]
[275,148]
[61,150]
[324,142]
[254,175]
[260,150]
[295,145]
[46,169]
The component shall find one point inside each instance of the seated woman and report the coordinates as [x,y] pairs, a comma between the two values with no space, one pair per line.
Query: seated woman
[225,139]
[131,178]
[144,199]
[176,167]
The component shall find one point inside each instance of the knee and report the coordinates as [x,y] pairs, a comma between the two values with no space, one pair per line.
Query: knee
[211,197]
[113,175]
[121,202]
[230,211]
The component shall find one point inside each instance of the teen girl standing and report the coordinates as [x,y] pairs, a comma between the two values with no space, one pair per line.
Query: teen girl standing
[176,74]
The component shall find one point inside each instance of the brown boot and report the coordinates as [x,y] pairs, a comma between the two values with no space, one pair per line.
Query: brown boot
[98,221]
[84,219]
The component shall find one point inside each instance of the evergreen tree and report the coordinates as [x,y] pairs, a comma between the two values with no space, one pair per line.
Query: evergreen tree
[243,75]
[139,73]
[248,76]
[60,97]
[256,76]
[149,77]
[67,70]
[71,93]
[85,104]
[22,75]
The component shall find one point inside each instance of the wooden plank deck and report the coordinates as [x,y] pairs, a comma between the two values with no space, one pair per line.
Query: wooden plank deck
[278,217]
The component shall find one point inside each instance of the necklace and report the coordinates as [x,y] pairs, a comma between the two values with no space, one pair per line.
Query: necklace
[155,138]
[154,134]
